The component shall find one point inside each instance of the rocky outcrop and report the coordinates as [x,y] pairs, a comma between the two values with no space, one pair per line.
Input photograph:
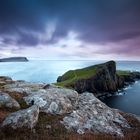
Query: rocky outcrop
[23,87]
[14,59]
[81,113]
[105,79]
[26,118]
[7,101]
[50,98]
[93,115]
[54,100]
[132,77]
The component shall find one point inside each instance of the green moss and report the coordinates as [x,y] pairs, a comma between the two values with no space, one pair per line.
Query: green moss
[71,76]
[122,72]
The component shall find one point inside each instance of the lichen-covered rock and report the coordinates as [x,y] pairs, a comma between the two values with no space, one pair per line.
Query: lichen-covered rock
[93,115]
[26,118]
[23,87]
[6,101]
[54,100]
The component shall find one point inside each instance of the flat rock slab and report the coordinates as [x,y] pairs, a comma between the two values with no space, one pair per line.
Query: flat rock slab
[54,100]
[26,118]
[23,87]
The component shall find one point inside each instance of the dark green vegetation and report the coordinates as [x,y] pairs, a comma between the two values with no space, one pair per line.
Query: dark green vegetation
[98,79]
[122,72]
[73,75]
[69,78]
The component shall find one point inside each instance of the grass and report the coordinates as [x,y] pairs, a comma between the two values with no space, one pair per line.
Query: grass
[123,73]
[71,76]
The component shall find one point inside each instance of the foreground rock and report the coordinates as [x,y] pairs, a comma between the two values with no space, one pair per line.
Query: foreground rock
[81,113]
[54,100]
[98,79]
[23,87]
[50,98]
[93,115]
[7,101]
[26,118]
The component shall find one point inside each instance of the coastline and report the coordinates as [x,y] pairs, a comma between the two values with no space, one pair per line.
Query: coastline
[44,108]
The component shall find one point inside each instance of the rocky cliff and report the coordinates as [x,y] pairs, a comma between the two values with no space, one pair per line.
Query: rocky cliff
[14,59]
[98,79]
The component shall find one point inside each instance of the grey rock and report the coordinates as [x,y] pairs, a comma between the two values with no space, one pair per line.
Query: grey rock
[7,101]
[26,118]
[93,115]
[54,100]
[23,87]
[83,112]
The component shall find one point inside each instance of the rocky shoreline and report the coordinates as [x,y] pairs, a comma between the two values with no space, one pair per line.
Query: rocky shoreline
[104,79]
[45,110]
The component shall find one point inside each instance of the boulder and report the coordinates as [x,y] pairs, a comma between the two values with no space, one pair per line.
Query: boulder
[93,115]
[54,100]
[26,118]
[6,101]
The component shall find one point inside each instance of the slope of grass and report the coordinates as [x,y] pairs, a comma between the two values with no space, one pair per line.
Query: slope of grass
[123,72]
[71,76]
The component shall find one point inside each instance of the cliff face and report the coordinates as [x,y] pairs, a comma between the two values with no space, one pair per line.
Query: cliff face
[104,79]
[14,59]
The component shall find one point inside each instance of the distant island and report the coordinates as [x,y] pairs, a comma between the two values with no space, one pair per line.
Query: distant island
[14,59]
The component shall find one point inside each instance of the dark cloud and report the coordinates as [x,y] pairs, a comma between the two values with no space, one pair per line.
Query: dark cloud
[126,36]
[27,39]
[96,21]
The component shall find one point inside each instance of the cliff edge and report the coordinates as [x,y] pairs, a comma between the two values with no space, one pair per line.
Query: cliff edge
[98,78]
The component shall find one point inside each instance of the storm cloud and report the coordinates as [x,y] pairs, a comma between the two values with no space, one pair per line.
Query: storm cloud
[101,26]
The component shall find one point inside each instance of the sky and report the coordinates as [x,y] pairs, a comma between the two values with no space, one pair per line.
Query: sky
[70,29]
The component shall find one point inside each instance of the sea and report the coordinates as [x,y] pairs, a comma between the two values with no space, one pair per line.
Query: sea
[47,71]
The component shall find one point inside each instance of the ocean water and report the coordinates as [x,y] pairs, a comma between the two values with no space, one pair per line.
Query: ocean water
[45,71]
